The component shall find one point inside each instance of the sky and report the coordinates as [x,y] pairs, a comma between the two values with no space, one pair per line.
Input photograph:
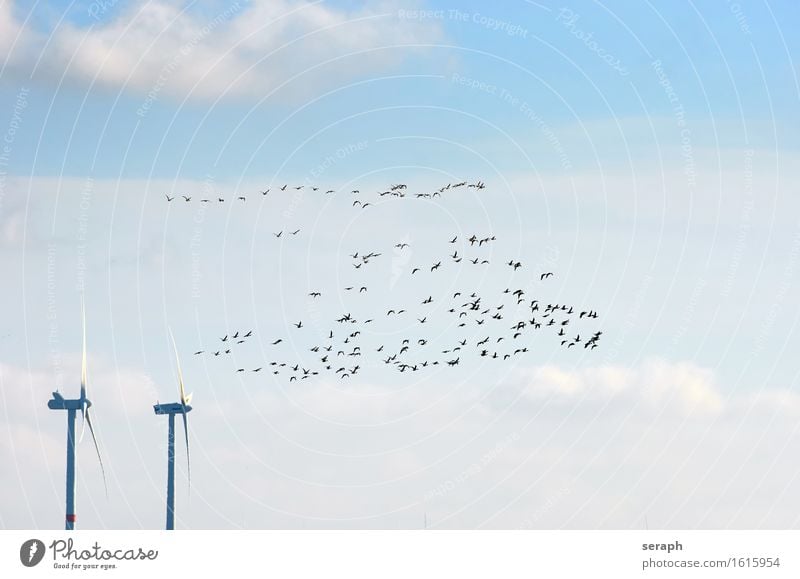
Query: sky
[642,152]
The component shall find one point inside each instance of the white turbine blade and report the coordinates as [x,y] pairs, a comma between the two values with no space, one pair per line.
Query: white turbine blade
[181,391]
[83,374]
[186,434]
[184,401]
[97,448]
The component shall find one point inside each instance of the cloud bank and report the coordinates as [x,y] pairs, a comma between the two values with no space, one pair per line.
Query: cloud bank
[241,48]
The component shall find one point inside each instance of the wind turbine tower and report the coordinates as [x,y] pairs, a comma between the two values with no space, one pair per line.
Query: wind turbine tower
[171,410]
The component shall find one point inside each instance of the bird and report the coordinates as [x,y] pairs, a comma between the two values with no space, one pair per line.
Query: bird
[436,265]
[454,239]
[278,234]
[278,341]
[185,198]
[198,352]
[299,324]
[168,197]
[295,232]
[545,275]
[315,294]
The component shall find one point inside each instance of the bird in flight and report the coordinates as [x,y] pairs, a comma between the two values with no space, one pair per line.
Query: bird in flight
[299,324]
[168,197]
[278,234]
[185,198]
[315,294]
[295,232]
[545,275]
[278,341]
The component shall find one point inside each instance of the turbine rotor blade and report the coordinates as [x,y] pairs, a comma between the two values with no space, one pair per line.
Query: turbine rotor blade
[186,435]
[97,449]
[84,408]
[184,401]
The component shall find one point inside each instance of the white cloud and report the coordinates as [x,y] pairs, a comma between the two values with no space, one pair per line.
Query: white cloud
[238,48]
[269,464]
[9,28]
[689,388]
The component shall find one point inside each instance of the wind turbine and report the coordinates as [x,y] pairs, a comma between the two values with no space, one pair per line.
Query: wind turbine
[58,402]
[171,410]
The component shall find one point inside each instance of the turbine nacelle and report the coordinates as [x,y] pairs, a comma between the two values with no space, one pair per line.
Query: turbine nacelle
[172,408]
[58,402]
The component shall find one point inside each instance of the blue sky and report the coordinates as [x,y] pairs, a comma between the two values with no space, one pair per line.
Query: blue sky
[661,195]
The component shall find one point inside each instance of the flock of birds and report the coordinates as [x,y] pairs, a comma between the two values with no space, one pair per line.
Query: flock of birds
[442,331]
[399,190]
